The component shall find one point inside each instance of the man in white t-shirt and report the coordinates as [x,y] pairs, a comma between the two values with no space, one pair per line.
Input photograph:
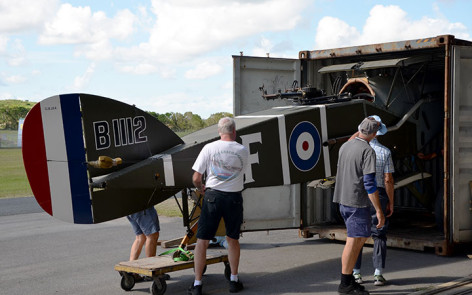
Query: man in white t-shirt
[224,162]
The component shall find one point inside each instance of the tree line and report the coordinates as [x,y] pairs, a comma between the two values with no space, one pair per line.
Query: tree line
[188,122]
[12,110]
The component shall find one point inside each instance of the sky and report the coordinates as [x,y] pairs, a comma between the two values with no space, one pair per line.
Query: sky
[176,55]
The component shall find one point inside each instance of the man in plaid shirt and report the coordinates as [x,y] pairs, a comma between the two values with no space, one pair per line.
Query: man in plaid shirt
[384,169]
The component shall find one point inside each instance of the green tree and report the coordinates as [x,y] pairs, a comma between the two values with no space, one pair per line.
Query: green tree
[164,118]
[195,121]
[214,118]
[11,111]
[177,121]
[187,122]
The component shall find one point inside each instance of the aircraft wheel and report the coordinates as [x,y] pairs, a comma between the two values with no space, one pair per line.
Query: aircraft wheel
[127,281]
[159,286]
[227,271]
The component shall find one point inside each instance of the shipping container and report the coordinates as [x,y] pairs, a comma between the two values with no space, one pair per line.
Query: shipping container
[423,87]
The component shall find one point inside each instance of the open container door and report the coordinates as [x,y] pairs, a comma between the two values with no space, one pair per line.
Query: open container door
[251,73]
[461,145]
[280,204]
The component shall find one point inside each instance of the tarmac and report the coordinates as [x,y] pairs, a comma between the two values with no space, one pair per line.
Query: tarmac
[42,255]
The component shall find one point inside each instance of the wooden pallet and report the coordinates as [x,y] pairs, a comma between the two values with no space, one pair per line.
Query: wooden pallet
[154,266]
[157,267]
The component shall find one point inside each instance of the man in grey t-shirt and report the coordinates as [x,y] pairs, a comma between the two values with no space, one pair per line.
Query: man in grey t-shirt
[355,189]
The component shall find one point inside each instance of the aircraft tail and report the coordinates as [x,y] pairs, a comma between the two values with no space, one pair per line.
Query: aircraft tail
[65,135]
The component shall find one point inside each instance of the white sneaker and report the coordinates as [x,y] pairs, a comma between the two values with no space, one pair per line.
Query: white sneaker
[379,280]
[358,278]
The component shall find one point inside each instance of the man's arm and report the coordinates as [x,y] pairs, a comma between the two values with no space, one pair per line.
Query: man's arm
[354,136]
[388,181]
[374,198]
[197,182]
[370,186]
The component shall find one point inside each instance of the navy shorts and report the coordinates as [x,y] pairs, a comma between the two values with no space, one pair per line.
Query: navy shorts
[217,205]
[358,221]
[145,222]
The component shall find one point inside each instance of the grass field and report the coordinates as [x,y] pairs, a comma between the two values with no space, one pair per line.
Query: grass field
[8,138]
[14,183]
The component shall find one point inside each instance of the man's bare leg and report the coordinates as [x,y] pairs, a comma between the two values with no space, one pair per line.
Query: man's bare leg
[234,252]
[151,244]
[199,258]
[137,247]
[351,251]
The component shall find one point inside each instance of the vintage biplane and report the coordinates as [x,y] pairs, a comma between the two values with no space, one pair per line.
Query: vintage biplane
[90,159]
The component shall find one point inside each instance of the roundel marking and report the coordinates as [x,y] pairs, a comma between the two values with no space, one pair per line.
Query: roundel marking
[305,146]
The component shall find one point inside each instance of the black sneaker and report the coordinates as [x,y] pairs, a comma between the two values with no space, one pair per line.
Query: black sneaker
[195,290]
[235,287]
[353,288]
[358,286]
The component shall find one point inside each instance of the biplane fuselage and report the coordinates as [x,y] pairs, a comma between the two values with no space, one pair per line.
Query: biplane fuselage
[415,86]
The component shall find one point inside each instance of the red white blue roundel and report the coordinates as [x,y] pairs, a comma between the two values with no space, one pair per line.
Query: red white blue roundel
[305,146]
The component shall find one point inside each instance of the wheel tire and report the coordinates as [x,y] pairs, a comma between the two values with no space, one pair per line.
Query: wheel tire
[227,271]
[127,281]
[159,286]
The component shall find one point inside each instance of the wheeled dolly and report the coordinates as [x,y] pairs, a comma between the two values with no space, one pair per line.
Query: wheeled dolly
[157,267]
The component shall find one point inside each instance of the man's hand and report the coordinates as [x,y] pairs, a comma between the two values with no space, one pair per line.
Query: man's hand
[389,187]
[374,198]
[389,210]
[197,182]
[201,190]
[380,218]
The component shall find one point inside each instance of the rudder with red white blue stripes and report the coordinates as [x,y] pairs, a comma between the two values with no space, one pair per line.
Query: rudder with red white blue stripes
[54,158]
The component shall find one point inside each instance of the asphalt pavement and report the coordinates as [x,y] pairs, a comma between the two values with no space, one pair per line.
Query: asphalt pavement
[42,255]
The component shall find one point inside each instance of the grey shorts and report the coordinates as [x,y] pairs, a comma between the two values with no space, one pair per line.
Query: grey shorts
[145,222]
[358,221]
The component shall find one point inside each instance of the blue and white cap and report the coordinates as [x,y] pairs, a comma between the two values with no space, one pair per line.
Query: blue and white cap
[366,128]
[383,128]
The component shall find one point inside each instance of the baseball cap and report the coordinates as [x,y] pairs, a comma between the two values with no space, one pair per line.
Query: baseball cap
[369,126]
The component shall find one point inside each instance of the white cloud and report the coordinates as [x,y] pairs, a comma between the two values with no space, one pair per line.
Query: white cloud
[21,15]
[17,57]
[3,44]
[11,79]
[78,25]
[182,102]
[15,79]
[227,85]
[204,70]
[167,72]
[140,69]
[185,29]
[384,24]
[13,52]
[100,50]
[265,46]
[333,32]
[5,95]
[81,81]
